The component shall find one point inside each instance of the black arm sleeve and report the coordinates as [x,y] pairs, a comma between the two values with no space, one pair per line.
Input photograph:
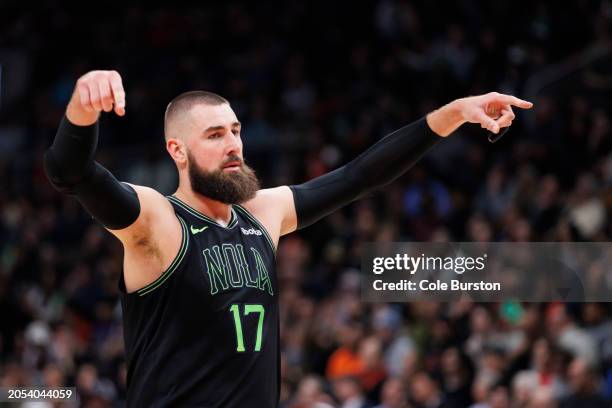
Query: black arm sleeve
[382,163]
[71,169]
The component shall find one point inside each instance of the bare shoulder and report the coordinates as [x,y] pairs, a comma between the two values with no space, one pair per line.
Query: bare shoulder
[275,209]
[152,242]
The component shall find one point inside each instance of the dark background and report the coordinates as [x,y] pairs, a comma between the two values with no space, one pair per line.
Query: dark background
[314,84]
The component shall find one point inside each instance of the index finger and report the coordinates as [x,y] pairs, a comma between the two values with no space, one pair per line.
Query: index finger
[118,93]
[514,101]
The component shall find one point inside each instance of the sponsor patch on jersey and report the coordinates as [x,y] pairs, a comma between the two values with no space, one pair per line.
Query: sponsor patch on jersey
[250,231]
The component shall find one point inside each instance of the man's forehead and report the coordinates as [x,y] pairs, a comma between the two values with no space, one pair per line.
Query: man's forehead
[205,116]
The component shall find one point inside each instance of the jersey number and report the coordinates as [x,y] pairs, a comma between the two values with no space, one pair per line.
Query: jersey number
[248,309]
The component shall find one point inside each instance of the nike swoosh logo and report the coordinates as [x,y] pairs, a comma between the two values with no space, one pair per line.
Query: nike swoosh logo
[197,230]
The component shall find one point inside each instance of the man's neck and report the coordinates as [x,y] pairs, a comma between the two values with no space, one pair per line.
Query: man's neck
[218,211]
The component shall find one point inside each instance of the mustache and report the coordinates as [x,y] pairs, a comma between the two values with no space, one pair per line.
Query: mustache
[232,159]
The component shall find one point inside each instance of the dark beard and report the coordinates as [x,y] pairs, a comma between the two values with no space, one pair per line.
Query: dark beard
[229,188]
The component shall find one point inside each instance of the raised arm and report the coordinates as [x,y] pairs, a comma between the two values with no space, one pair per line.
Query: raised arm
[69,162]
[138,216]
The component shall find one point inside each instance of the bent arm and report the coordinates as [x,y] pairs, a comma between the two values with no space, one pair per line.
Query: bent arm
[140,217]
[69,162]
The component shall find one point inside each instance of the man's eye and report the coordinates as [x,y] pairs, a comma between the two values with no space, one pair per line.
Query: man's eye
[236,132]
[214,135]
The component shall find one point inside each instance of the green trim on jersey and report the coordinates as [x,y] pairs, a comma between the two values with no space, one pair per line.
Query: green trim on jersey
[233,221]
[255,221]
[174,265]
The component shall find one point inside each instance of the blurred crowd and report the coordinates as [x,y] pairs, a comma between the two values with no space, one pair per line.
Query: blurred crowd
[314,84]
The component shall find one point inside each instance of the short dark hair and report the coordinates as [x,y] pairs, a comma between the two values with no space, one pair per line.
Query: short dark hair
[185,101]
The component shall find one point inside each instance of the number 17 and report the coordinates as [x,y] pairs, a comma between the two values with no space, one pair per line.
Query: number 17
[248,309]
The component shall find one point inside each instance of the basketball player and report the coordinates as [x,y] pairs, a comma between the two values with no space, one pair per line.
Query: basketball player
[199,286]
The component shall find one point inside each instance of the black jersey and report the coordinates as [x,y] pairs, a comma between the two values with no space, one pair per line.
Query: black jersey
[205,333]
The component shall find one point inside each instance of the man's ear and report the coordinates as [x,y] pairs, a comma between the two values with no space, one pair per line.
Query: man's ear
[177,150]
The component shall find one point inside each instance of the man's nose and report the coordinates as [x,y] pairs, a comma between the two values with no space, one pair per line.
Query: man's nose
[232,144]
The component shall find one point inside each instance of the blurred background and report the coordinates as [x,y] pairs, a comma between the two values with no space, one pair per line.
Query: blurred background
[314,84]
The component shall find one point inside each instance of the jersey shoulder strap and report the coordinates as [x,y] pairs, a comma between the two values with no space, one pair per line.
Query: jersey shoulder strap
[251,219]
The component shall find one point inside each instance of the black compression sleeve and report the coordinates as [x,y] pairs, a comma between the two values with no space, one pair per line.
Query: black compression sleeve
[70,168]
[72,154]
[382,163]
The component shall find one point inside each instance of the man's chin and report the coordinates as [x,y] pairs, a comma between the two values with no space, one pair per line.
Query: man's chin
[229,185]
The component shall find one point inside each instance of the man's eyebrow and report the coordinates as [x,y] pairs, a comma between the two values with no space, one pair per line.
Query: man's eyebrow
[213,128]
[220,127]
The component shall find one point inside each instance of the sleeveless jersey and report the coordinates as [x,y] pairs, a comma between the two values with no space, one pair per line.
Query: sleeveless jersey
[206,332]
